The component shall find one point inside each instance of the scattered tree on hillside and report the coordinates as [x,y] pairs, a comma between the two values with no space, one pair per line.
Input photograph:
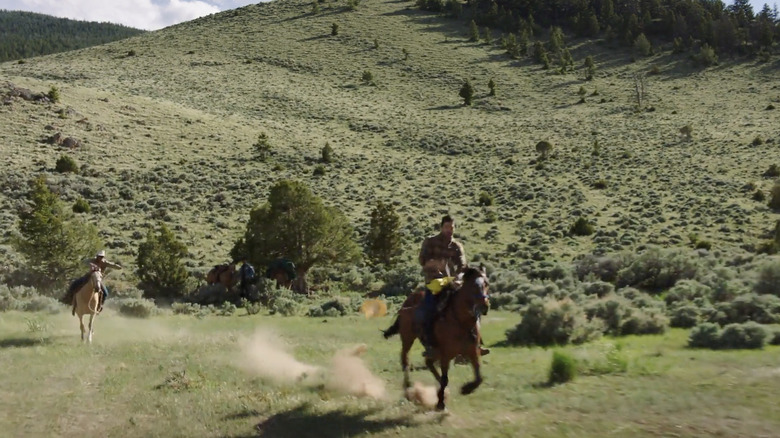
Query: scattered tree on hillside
[467,92]
[543,148]
[774,196]
[590,68]
[263,147]
[487,36]
[296,225]
[334,29]
[51,239]
[642,46]
[54,94]
[706,56]
[327,153]
[383,241]
[160,266]
[473,31]
[556,40]
[492,87]
[640,89]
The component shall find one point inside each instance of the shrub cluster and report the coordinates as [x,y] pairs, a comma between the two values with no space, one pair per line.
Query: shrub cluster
[749,335]
[136,307]
[551,322]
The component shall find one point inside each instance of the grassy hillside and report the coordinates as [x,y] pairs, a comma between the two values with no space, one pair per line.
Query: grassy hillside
[182,376]
[27,34]
[167,121]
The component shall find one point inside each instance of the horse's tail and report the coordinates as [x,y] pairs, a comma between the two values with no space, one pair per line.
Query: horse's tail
[393,329]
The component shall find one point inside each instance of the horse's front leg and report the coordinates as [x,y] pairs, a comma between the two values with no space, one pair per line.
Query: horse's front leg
[473,385]
[91,318]
[429,363]
[81,324]
[405,347]
[445,367]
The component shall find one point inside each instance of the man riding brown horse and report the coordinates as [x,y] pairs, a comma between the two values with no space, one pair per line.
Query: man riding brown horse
[439,254]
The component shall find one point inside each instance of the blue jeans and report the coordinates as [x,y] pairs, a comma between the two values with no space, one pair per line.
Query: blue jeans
[105,291]
[428,315]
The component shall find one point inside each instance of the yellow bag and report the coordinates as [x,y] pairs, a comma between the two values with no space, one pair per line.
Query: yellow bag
[437,284]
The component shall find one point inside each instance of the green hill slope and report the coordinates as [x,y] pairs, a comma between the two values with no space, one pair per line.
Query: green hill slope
[27,34]
[167,121]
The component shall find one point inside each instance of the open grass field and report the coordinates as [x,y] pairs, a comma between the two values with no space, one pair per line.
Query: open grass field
[167,121]
[183,376]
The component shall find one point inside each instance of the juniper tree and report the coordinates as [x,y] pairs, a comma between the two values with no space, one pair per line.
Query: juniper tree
[327,153]
[383,241]
[160,266]
[51,239]
[473,31]
[467,92]
[296,225]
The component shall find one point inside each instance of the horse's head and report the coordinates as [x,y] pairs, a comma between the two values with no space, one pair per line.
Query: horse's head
[96,277]
[475,290]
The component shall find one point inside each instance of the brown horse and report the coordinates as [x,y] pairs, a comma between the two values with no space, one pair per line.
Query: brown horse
[456,331]
[223,274]
[87,300]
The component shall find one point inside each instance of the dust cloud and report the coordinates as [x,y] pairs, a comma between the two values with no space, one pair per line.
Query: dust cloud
[349,374]
[425,395]
[264,355]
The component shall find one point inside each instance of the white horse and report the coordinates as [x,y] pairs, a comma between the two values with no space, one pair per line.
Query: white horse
[87,300]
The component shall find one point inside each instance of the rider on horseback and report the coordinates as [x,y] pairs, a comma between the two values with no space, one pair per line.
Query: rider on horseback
[101,262]
[439,253]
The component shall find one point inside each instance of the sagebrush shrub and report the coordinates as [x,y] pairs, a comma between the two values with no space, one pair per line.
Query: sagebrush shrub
[685,316]
[768,281]
[40,304]
[185,308]
[644,322]
[705,335]
[774,338]
[66,164]
[764,309]
[550,322]
[686,290]
[285,307]
[485,199]
[598,288]
[81,206]
[563,368]
[136,307]
[658,269]
[749,335]
[581,227]
[612,310]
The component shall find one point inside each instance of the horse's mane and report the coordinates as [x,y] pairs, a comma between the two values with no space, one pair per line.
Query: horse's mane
[471,274]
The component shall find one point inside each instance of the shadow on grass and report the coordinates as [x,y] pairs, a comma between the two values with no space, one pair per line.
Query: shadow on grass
[444,107]
[302,421]
[22,342]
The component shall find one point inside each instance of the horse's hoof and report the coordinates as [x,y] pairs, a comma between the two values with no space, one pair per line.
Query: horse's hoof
[441,408]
